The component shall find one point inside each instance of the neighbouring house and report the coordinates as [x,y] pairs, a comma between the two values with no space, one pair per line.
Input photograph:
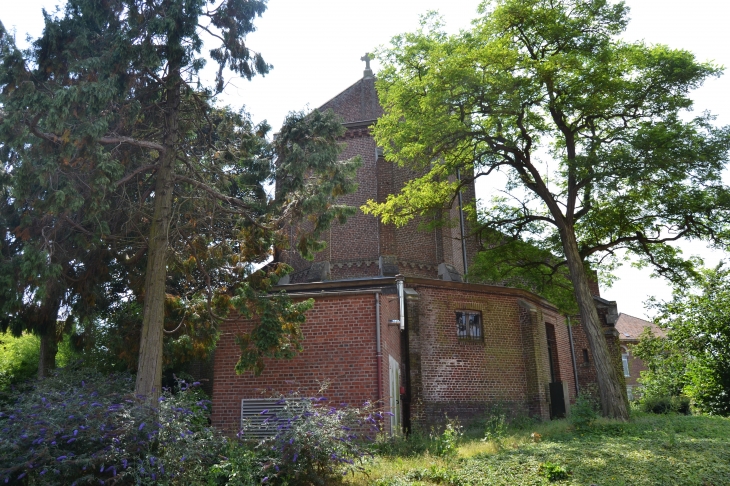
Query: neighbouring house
[394,322]
[630,329]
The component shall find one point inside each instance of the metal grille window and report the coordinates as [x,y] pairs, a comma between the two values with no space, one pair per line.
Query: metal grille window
[469,325]
[259,417]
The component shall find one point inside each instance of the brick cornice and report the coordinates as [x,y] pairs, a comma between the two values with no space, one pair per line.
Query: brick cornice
[413,282]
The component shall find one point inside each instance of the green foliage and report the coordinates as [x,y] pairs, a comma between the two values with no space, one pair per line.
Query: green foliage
[694,358]
[648,450]
[496,427]
[19,357]
[554,472]
[80,425]
[110,139]
[446,444]
[240,466]
[516,263]
[665,404]
[584,412]
[315,443]
[588,131]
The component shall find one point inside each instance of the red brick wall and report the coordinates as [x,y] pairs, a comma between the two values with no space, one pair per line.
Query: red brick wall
[339,346]
[464,378]
[353,249]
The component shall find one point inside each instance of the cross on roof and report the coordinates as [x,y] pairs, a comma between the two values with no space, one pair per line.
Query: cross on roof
[367,59]
[368,73]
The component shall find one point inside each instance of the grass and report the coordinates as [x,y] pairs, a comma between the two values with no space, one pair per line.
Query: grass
[649,450]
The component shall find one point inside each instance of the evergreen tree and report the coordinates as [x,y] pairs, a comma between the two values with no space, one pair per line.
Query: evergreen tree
[107,116]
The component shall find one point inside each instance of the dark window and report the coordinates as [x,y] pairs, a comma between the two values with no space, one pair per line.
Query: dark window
[469,325]
[585,355]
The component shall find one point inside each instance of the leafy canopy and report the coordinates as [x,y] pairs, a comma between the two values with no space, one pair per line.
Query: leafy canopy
[588,132]
[694,358]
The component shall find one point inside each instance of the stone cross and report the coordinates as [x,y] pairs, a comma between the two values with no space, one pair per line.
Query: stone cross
[368,73]
[366,58]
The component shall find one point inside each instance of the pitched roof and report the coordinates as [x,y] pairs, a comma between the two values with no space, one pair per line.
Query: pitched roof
[630,327]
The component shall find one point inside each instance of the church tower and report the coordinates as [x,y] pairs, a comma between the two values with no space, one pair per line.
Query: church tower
[363,247]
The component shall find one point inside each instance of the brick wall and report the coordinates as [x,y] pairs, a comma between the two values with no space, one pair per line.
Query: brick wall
[508,368]
[339,346]
[354,249]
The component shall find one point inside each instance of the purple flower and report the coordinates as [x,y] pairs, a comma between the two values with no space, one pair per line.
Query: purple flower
[294,459]
[70,440]
[264,411]
[44,471]
[141,426]
[265,480]
[76,432]
[61,458]
[21,476]
[124,463]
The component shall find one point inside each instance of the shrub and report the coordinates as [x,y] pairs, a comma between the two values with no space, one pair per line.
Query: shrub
[553,472]
[665,404]
[583,413]
[316,443]
[496,427]
[239,466]
[80,426]
[446,444]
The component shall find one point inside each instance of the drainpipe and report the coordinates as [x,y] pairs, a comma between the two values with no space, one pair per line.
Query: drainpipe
[572,355]
[399,280]
[461,224]
[378,350]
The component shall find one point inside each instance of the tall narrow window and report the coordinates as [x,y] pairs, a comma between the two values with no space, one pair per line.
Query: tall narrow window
[469,325]
[625,360]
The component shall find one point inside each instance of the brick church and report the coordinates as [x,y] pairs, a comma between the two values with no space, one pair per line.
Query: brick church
[395,323]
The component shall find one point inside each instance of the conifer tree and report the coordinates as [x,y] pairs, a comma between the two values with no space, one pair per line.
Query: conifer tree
[107,113]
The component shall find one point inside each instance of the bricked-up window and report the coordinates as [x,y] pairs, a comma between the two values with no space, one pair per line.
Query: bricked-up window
[469,325]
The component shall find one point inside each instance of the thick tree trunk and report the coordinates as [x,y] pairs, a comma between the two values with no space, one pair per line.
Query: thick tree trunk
[49,349]
[149,369]
[613,398]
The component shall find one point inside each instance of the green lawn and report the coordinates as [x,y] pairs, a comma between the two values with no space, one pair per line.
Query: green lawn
[649,450]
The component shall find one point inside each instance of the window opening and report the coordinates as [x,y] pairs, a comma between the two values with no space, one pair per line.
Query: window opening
[625,361]
[469,325]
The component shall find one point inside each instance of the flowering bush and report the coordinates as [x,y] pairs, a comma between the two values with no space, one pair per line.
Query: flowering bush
[82,427]
[315,442]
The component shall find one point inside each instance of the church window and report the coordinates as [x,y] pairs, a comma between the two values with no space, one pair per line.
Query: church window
[625,361]
[469,325]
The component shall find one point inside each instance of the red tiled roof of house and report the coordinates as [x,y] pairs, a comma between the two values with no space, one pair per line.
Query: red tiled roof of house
[630,327]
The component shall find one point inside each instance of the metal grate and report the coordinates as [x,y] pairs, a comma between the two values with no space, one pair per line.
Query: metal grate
[469,325]
[258,425]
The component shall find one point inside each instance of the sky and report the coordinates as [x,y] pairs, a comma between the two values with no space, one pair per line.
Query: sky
[315,47]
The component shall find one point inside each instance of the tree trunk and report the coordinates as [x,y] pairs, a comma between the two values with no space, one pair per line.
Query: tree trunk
[613,400]
[49,349]
[149,369]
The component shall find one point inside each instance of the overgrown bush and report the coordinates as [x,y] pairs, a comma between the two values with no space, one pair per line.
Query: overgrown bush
[19,358]
[446,444]
[82,427]
[584,412]
[315,442]
[665,404]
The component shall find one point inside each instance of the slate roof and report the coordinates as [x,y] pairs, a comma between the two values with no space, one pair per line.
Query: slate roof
[630,328]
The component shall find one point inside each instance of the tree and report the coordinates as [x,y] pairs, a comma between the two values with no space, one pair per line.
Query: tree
[585,127]
[694,357]
[108,115]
